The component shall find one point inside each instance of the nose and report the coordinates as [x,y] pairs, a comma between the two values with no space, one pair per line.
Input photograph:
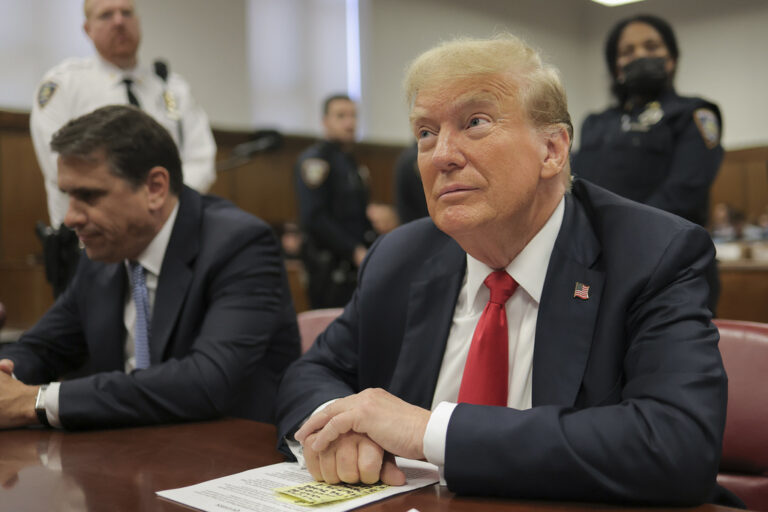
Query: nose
[118,18]
[447,155]
[640,53]
[75,216]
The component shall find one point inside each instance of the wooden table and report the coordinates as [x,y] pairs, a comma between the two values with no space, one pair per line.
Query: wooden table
[120,470]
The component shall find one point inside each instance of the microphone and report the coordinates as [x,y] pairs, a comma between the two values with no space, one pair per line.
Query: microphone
[263,140]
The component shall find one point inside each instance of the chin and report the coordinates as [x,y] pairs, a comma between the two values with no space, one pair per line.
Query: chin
[101,256]
[456,221]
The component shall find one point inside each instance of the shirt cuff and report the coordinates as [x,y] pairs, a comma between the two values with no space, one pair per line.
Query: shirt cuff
[298,451]
[296,448]
[436,433]
[51,398]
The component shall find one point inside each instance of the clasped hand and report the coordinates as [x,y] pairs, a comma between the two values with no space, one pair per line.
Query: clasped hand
[355,438]
[17,400]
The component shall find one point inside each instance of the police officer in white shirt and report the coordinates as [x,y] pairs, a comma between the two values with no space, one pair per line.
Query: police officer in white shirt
[80,85]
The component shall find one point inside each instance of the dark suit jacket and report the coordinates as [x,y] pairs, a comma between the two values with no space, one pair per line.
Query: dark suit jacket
[629,391]
[223,328]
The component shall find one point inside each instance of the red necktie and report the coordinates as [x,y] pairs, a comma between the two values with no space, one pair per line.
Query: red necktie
[486,372]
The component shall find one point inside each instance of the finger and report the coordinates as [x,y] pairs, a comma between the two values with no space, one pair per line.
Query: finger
[390,473]
[336,426]
[6,366]
[369,459]
[313,424]
[346,460]
[328,466]
[312,460]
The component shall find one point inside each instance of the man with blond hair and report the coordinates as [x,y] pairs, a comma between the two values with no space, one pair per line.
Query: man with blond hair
[533,339]
[78,86]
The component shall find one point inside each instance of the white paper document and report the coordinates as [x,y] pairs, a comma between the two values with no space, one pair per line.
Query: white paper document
[255,490]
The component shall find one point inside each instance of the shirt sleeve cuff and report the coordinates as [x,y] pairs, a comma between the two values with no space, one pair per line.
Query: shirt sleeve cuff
[296,448]
[436,433]
[52,404]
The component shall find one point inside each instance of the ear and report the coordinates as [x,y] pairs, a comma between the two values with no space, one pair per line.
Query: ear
[558,144]
[87,29]
[158,187]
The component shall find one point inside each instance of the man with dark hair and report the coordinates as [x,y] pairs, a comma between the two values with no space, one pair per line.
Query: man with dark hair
[332,193]
[179,309]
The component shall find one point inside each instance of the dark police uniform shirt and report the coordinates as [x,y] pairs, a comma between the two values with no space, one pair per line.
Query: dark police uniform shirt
[665,153]
[333,195]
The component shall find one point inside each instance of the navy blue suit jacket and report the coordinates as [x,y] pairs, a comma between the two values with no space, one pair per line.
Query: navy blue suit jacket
[629,391]
[223,329]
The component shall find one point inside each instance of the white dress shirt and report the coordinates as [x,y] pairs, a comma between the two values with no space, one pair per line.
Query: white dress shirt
[152,261]
[529,269]
[78,86]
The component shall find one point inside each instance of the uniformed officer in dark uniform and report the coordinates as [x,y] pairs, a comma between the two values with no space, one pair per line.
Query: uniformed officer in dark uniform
[333,194]
[654,146]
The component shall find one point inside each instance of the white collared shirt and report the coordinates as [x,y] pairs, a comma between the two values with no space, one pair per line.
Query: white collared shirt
[78,86]
[152,261]
[529,269]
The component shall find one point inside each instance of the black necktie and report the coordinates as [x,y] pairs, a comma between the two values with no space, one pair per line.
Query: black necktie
[132,99]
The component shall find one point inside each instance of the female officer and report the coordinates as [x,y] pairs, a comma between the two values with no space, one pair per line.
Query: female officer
[654,146]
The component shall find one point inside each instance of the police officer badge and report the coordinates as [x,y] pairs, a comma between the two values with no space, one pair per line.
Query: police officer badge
[45,93]
[651,115]
[314,172]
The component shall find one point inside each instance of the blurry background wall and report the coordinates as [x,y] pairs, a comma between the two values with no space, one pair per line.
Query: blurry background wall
[255,63]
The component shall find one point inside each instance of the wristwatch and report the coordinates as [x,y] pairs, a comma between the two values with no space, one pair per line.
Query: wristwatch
[42,416]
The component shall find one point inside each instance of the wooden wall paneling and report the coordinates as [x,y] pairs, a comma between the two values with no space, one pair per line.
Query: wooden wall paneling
[24,292]
[22,198]
[756,177]
[743,293]
[265,188]
[729,187]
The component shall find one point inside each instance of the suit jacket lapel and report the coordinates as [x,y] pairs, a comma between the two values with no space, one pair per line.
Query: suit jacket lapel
[565,324]
[430,313]
[176,273]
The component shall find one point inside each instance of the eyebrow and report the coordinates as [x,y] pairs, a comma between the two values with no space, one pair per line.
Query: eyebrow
[470,99]
[84,190]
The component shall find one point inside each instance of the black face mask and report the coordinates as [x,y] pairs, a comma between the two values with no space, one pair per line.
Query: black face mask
[645,77]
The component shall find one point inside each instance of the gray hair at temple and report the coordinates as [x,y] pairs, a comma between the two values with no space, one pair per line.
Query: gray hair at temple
[540,90]
[133,143]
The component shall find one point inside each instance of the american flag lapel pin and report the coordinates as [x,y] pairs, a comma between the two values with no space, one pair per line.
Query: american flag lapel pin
[581,291]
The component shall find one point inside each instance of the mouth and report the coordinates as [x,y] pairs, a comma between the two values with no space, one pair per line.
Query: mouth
[455,190]
[86,237]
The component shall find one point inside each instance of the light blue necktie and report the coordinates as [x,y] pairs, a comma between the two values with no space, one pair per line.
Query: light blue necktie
[141,330]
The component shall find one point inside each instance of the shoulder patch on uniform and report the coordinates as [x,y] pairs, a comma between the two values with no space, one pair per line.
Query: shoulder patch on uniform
[708,125]
[314,172]
[45,93]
